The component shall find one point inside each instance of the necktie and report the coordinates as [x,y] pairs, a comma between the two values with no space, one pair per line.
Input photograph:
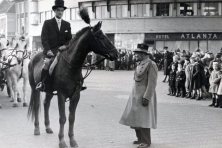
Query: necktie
[59,24]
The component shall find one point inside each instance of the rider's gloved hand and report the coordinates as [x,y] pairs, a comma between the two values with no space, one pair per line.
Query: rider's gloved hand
[145,102]
[62,48]
[50,53]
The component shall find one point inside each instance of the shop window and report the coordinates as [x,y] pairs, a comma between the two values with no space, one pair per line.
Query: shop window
[105,13]
[162,9]
[98,12]
[186,9]
[210,9]
[113,12]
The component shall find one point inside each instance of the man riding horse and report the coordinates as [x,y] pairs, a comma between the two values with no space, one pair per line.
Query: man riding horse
[55,36]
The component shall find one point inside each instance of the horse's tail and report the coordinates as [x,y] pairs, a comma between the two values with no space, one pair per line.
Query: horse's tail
[34,105]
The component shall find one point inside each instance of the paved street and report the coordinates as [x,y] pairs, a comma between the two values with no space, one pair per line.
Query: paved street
[182,123]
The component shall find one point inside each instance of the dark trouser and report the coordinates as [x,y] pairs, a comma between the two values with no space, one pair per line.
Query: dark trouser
[143,135]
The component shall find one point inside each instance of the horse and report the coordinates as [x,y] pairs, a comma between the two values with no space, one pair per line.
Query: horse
[16,67]
[68,78]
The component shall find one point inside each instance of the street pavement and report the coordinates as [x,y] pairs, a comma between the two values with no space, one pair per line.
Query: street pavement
[182,123]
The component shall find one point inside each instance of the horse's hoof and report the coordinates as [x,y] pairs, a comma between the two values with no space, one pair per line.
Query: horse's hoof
[62,144]
[19,99]
[15,105]
[73,144]
[36,132]
[49,130]
[25,105]
[12,100]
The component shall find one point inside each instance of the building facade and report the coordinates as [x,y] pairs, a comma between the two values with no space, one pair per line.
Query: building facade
[7,19]
[183,24]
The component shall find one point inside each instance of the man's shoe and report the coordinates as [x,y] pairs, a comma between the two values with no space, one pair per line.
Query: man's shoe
[137,142]
[40,86]
[144,145]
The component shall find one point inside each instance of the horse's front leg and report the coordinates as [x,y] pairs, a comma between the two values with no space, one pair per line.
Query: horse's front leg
[62,120]
[72,110]
[47,101]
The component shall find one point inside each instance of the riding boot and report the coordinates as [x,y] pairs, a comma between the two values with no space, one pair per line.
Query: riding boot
[41,85]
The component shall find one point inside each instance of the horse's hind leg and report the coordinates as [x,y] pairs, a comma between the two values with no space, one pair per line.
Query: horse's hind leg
[72,109]
[62,120]
[15,90]
[47,101]
[25,83]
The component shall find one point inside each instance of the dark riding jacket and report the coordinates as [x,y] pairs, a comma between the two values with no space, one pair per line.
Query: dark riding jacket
[52,38]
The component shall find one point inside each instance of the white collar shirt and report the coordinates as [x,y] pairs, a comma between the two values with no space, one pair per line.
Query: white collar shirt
[59,21]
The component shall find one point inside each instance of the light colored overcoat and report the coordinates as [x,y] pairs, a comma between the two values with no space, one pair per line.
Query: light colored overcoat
[145,81]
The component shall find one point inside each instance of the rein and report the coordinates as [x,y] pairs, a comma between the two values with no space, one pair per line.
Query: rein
[91,66]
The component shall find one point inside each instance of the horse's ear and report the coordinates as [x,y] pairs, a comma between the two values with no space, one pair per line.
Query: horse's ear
[97,27]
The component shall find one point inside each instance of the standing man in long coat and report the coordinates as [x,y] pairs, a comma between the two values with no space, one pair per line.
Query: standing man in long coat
[168,59]
[55,36]
[141,110]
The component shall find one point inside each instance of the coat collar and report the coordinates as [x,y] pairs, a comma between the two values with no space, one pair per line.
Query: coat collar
[144,61]
[56,24]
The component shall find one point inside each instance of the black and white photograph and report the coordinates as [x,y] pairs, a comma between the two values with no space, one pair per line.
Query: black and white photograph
[110,73]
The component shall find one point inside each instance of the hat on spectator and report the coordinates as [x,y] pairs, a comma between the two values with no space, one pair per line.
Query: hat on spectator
[198,50]
[165,47]
[218,55]
[142,48]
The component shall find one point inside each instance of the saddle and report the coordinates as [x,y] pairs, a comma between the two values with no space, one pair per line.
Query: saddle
[50,65]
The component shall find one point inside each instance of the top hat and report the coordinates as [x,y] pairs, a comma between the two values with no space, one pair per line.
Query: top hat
[59,3]
[142,48]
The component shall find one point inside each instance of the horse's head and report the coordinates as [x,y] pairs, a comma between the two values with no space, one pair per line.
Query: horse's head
[101,43]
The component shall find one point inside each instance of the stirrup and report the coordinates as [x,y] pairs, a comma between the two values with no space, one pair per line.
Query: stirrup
[40,86]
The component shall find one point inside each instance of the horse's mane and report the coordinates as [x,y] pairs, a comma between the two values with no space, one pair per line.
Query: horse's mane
[79,33]
[73,42]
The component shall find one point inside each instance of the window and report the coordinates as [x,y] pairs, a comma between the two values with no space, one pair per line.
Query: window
[73,14]
[146,9]
[77,14]
[113,11]
[48,15]
[162,9]
[210,9]
[42,17]
[67,14]
[98,12]
[119,12]
[105,13]
[186,9]
[91,13]
[124,10]
[134,11]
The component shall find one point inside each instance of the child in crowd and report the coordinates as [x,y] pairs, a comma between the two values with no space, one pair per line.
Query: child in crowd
[180,81]
[172,80]
[214,82]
